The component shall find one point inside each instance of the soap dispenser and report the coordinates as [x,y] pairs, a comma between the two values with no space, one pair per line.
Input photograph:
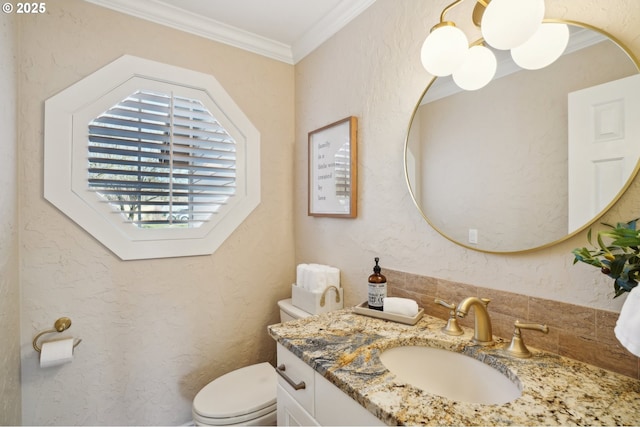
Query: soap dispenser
[377,288]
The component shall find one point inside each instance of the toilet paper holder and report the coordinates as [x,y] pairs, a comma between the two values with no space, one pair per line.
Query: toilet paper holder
[60,325]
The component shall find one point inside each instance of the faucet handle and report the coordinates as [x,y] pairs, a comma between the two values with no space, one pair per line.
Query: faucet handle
[517,347]
[452,327]
[445,304]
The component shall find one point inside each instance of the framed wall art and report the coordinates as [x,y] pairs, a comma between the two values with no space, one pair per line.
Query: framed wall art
[333,169]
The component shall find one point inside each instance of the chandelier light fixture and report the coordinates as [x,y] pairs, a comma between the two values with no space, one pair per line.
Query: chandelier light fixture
[515,25]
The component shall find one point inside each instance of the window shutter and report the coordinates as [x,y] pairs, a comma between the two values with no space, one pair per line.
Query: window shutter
[161,160]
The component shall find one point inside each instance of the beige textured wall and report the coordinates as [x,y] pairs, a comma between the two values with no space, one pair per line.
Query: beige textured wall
[154,331]
[9,284]
[372,70]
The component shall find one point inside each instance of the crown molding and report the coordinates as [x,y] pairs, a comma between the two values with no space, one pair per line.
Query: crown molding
[174,17]
[324,29]
[170,16]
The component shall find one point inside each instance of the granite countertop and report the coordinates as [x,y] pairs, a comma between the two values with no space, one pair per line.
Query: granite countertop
[344,347]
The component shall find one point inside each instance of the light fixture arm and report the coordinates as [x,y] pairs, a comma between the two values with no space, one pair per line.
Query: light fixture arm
[448,8]
[478,11]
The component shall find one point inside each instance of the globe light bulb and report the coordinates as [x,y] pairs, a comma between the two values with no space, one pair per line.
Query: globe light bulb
[509,23]
[444,50]
[478,69]
[543,48]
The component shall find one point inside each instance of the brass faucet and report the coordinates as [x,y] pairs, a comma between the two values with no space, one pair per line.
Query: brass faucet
[482,333]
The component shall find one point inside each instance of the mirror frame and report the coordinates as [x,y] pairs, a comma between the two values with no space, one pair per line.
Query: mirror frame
[588,224]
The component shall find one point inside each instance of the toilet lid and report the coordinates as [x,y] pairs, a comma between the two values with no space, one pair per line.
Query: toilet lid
[287,306]
[238,392]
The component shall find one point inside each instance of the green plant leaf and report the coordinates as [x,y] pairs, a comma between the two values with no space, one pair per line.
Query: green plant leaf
[627,241]
[600,242]
[617,254]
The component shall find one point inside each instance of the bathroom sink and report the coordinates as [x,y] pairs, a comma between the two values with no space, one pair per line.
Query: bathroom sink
[449,374]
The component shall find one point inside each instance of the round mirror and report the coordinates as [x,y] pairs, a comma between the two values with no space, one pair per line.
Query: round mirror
[533,157]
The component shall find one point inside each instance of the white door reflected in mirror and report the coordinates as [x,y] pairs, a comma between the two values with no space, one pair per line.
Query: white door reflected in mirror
[603,145]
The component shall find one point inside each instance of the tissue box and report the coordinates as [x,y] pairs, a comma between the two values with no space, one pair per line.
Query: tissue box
[310,301]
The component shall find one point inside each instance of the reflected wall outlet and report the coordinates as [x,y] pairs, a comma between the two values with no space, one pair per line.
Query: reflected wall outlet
[473,236]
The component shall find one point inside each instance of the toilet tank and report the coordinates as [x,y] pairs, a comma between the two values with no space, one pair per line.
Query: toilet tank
[290,312]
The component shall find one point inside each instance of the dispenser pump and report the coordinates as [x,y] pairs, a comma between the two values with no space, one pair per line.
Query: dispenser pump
[377,288]
[376,268]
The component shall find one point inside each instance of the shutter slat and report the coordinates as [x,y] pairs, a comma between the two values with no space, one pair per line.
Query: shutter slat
[180,143]
[229,188]
[201,156]
[160,165]
[119,143]
[162,109]
[202,133]
[180,162]
[156,98]
[122,122]
[196,117]
[213,178]
[95,161]
[125,134]
[182,119]
[131,153]
[164,213]
[183,161]
[176,205]
[218,158]
[215,144]
[132,114]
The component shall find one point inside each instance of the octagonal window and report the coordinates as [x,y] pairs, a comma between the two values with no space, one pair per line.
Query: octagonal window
[153,160]
[161,160]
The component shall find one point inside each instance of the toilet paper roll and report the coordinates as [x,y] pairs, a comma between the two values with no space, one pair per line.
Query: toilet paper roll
[56,352]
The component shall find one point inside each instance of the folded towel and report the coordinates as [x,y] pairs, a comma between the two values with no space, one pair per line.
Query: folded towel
[403,306]
[333,276]
[317,277]
[627,328]
[300,275]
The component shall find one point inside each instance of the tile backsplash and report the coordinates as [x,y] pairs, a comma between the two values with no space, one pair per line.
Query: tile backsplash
[578,332]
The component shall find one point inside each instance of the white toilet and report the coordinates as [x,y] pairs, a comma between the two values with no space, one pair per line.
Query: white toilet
[246,396]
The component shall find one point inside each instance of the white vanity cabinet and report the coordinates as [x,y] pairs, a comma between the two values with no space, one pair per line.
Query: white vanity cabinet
[319,402]
[296,406]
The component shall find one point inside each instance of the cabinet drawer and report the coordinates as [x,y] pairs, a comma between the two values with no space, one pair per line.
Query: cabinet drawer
[298,372]
[290,413]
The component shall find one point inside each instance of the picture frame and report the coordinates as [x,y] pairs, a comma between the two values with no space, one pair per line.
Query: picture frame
[333,171]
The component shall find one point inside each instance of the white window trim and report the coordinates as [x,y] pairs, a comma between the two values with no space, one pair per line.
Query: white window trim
[67,115]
